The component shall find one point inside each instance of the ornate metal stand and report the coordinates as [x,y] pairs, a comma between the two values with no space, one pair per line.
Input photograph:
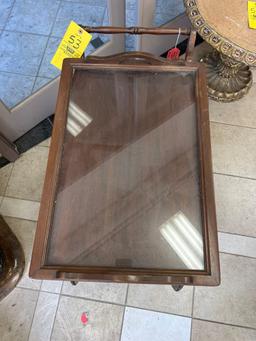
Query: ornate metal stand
[229,77]
[228,80]
[12,260]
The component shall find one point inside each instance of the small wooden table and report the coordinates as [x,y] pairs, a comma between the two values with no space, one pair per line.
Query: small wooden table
[224,25]
[128,193]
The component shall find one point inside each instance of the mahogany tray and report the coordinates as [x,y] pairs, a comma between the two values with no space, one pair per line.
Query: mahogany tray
[128,193]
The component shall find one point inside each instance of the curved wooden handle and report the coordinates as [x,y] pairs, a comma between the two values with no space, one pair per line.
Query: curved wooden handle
[135,58]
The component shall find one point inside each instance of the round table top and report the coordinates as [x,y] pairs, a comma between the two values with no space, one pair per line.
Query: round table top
[224,25]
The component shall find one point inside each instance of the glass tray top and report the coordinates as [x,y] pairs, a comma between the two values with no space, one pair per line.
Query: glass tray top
[128,192]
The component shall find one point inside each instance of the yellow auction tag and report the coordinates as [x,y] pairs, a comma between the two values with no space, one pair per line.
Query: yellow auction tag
[252,14]
[72,45]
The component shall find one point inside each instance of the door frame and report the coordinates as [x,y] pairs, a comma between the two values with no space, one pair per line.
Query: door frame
[26,115]
[157,45]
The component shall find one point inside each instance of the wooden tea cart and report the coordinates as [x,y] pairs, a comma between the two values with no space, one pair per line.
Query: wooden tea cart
[128,193]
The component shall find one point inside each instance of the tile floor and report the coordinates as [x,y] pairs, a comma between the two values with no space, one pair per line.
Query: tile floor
[30,31]
[48,310]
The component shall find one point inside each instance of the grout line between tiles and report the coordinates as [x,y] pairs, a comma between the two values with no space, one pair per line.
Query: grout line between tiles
[123,305]
[56,37]
[61,289]
[191,329]
[130,306]
[8,17]
[236,234]
[57,307]
[232,125]
[48,39]
[192,312]
[193,299]
[41,34]
[48,36]
[29,266]
[225,324]
[38,290]
[20,285]
[31,93]
[10,197]
[158,311]
[235,254]
[9,216]
[125,302]
[18,74]
[33,314]
[3,29]
[82,3]
[93,300]
[234,176]
[8,180]
[25,32]
[37,145]
[126,296]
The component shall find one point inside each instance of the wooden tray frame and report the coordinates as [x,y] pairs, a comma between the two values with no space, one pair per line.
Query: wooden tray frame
[39,269]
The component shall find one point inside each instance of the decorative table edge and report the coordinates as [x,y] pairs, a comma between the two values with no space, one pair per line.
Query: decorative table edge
[221,44]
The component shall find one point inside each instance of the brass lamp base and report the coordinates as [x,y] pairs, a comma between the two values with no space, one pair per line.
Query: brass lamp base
[228,80]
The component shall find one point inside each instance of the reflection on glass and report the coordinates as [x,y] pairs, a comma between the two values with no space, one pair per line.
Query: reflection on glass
[126,168]
[78,119]
[185,240]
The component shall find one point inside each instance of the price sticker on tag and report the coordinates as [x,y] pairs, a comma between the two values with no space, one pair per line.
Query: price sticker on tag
[72,45]
[252,14]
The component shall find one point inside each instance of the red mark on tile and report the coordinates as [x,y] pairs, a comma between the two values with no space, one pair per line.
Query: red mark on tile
[84,318]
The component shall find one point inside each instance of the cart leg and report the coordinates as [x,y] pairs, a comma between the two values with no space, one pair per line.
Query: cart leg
[177,287]
[74,282]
